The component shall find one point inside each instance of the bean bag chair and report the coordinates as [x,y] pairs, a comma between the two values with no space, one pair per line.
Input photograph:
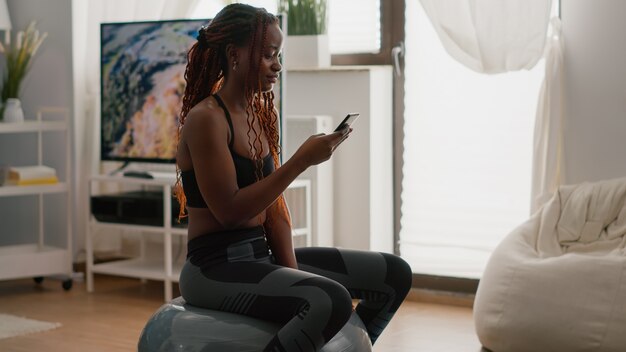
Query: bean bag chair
[558,281]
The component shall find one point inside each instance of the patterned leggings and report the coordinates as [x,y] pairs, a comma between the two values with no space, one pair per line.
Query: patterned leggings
[233,271]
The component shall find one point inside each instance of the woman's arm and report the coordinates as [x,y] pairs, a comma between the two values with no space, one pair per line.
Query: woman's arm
[279,233]
[206,136]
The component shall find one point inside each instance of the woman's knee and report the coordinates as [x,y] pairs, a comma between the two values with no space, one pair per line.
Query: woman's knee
[332,300]
[335,294]
[399,274]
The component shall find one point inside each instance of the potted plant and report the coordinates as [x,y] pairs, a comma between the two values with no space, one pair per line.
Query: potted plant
[307,38]
[18,55]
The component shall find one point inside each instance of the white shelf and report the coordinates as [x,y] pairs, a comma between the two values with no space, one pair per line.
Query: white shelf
[141,268]
[32,126]
[160,179]
[36,259]
[142,228]
[136,268]
[7,191]
[31,260]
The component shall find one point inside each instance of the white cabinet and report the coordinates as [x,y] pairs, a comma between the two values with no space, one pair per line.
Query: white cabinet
[47,252]
[166,265]
[298,129]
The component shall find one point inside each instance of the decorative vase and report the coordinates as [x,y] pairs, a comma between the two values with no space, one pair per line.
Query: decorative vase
[307,51]
[13,111]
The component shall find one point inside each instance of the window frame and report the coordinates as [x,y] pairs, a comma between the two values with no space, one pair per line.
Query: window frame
[392,33]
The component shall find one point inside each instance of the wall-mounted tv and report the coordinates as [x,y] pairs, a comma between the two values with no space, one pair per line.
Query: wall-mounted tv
[142,84]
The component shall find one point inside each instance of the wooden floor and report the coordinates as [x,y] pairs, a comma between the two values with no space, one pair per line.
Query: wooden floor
[111,318]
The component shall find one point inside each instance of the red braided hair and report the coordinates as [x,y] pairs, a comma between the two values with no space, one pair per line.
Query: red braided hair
[237,24]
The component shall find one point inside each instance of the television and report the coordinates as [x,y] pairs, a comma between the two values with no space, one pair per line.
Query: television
[142,85]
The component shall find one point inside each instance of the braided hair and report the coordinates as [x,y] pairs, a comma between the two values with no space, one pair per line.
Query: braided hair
[207,63]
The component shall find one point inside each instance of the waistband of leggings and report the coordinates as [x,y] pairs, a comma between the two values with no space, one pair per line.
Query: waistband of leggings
[223,239]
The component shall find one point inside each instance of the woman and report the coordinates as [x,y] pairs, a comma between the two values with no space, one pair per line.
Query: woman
[240,253]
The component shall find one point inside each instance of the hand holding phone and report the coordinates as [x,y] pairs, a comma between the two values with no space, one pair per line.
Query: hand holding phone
[347,121]
[315,149]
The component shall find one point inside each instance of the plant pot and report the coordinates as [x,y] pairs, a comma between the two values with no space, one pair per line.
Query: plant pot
[307,51]
[13,111]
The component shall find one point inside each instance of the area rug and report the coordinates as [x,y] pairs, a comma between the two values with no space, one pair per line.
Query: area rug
[11,325]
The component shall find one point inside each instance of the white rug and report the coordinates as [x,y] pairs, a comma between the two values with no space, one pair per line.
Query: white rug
[11,325]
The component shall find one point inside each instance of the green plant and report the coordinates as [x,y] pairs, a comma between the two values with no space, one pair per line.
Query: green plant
[19,55]
[304,17]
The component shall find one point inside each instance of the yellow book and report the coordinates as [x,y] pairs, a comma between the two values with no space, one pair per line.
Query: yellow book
[31,175]
[30,172]
[34,181]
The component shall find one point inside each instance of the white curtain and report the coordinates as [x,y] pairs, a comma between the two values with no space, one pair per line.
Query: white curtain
[87,16]
[491,36]
[475,195]
[494,36]
[548,139]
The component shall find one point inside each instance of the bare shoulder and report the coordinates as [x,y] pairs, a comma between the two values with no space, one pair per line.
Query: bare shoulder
[206,119]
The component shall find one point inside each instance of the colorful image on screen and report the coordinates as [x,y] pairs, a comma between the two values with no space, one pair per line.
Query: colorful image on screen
[142,84]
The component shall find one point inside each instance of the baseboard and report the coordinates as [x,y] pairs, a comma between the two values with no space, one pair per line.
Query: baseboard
[441,297]
[81,267]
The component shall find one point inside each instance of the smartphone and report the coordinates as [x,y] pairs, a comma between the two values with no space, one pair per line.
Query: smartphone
[347,121]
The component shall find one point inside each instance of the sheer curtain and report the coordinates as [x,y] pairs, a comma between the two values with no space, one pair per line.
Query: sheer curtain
[548,146]
[468,147]
[491,36]
[86,17]
[494,36]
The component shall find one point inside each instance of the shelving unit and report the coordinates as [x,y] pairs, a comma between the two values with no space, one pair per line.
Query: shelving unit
[299,129]
[167,267]
[300,203]
[40,259]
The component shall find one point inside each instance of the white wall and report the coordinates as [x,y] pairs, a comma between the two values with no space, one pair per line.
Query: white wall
[50,79]
[595,79]
[49,83]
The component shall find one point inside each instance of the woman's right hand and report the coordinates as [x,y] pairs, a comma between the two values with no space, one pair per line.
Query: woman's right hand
[320,147]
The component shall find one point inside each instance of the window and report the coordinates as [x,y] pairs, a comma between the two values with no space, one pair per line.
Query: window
[354,26]
[467,155]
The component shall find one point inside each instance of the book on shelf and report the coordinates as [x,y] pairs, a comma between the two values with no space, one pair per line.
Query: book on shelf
[31,175]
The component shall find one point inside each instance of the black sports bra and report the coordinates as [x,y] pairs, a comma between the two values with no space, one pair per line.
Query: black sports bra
[245,168]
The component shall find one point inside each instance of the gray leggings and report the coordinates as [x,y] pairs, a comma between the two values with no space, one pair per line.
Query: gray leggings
[234,272]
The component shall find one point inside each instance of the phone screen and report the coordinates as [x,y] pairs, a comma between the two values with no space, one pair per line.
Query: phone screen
[347,121]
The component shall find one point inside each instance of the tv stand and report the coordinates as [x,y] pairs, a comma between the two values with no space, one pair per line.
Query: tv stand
[165,266]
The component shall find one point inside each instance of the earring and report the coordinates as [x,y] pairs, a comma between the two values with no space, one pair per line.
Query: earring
[234,65]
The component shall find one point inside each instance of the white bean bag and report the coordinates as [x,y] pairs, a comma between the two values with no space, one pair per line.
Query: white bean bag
[558,281]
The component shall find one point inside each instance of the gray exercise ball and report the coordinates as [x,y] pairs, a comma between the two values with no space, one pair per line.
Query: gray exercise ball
[177,326]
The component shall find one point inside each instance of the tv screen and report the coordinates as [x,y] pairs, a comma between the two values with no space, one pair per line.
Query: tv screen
[142,85]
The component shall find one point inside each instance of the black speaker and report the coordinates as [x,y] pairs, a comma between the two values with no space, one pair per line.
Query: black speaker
[135,207]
